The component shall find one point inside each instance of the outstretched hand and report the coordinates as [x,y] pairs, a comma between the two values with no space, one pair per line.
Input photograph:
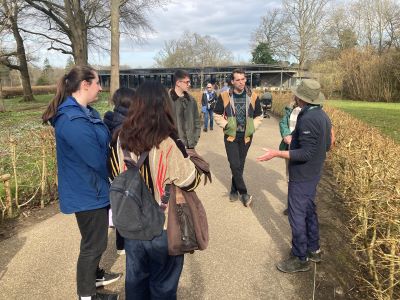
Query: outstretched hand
[269,154]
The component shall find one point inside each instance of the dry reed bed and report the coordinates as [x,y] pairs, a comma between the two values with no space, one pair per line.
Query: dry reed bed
[366,167]
[28,158]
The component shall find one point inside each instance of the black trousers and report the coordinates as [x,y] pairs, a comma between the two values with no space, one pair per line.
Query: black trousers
[119,241]
[93,226]
[236,152]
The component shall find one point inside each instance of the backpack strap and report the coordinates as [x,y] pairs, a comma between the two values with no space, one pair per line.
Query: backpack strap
[130,163]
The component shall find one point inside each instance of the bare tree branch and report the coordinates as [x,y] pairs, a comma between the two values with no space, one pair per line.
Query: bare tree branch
[46,36]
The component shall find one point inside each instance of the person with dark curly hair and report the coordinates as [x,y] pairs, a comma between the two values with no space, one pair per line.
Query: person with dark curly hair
[149,129]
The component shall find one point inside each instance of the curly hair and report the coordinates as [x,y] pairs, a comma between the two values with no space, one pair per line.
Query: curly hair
[149,120]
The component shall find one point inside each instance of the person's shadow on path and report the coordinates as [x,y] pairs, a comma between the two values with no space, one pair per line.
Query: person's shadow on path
[16,244]
[258,179]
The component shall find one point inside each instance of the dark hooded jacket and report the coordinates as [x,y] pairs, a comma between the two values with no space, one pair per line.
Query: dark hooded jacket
[113,120]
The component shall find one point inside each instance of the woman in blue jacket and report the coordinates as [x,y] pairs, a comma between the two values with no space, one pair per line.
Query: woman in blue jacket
[82,151]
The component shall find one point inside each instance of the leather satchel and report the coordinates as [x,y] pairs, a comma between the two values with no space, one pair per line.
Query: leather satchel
[187,223]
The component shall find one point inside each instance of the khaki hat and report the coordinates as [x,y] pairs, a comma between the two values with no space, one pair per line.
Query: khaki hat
[309,90]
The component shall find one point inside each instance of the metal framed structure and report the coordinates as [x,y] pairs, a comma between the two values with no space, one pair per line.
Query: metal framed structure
[273,76]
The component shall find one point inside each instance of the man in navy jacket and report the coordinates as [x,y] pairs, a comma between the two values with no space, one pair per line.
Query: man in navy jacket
[311,140]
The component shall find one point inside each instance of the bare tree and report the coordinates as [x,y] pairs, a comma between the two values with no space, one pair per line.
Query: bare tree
[392,24]
[15,59]
[73,26]
[193,50]
[339,33]
[270,32]
[303,27]
[378,22]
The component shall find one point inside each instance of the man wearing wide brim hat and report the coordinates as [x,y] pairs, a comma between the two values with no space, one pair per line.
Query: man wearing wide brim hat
[309,91]
[311,139]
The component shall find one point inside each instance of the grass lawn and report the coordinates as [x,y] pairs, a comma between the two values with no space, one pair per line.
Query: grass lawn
[384,116]
[21,115]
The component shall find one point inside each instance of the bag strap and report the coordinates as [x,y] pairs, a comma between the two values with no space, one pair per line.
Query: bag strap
[130,163]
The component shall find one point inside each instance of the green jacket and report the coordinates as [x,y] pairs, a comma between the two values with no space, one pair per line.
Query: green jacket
[225,117]
[284,127]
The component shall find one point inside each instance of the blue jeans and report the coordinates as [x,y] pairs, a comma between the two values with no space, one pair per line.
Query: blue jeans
[303,217]
[150,272]
[209,112]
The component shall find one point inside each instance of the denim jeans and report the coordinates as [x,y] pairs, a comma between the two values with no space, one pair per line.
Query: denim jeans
[236,152]
[303,217]
[208,113]
[93,226]
[150,272]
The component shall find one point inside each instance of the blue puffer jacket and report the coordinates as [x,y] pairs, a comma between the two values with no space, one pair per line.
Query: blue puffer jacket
[82,152]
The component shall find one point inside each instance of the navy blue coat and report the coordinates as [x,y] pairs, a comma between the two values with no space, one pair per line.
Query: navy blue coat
[82,151]
[311,139]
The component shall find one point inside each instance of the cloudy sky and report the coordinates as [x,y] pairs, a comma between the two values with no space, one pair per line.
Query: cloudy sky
[230,22]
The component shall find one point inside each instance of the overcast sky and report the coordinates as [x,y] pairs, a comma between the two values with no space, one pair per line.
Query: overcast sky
[231,22]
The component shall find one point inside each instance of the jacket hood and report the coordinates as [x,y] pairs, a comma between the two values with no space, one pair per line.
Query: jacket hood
[114,119]
[73,109]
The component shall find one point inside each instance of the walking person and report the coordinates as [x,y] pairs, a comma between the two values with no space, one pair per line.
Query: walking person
[311,139]
[122,99]
[185,110]
[208,100]
[238,112]
[150,272]
[82,151]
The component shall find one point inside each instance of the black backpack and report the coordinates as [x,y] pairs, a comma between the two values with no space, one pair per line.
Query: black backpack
[135,212]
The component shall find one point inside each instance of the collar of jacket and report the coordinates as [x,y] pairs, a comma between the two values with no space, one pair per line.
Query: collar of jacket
[309,107]
[73,110]
[248,91]
[174,95]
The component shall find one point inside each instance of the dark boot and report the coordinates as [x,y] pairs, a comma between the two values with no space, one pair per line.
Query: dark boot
[246,199]
[233,197]
[315,256]
[293,264]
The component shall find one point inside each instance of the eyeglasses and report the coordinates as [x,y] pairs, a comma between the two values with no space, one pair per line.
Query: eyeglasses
[209,87]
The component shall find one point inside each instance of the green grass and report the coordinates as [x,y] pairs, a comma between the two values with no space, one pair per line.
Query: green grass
[384,116]
[23,115]
[21,119]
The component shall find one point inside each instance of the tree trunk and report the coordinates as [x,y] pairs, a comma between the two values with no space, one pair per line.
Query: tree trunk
[23,65]
[2,106]
[79,48]
[77,31]
[114,84]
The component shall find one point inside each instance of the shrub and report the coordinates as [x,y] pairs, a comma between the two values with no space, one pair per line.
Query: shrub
[28,155]
[366,167]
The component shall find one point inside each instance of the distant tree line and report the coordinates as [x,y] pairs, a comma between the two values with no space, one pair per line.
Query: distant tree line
[352,46]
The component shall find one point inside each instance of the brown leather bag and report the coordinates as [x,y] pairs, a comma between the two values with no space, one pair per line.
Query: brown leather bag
[187,222]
